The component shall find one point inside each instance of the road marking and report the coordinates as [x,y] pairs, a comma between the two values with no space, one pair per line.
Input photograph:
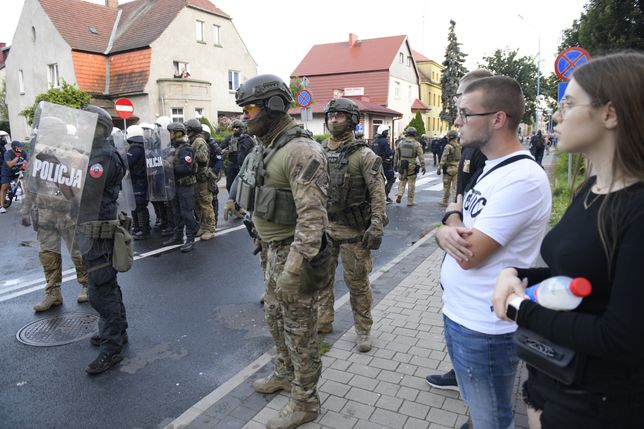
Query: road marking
[17,287]
[192,413]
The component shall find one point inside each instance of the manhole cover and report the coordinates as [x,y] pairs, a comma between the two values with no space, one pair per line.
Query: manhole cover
[58,330]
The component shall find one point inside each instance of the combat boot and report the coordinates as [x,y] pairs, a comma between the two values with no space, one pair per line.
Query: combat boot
[398,199]
[173,241]
[364,343]
[200,232]
[167,231]
[52,298]
[290,418]
[207,236]
[103,362]
[188,246]
[272,384]
[410,202]
[82,296]
[141,235]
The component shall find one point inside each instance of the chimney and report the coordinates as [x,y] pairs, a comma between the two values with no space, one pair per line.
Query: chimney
[112,4]
[353,39]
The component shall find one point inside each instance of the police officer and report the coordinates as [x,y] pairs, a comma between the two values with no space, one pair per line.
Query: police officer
[449,165]
[407,151]
[216,163]
[385,152]
[183,204]
[356,211]
[139,175]
[236,147]
[206,180]
[96,237]
[163,209]
[284,184]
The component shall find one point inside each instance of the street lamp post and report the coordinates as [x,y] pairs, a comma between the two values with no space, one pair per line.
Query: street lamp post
[536,103]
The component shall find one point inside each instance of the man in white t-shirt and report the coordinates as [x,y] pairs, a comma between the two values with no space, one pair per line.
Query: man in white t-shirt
[499,223]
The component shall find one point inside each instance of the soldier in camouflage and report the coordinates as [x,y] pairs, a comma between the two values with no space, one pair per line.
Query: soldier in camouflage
[407,151]
[284,183]
[449,165]
[205,180]
[357,217]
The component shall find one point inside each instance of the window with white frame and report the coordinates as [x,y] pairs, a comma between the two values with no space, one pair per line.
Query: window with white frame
[409,61]
[397,89]
[216,35]
[52,76]
[198,112]
[176,113]
[233,80]
[21,82]
[180,67]
[401,58]
[409,93]
[199,31]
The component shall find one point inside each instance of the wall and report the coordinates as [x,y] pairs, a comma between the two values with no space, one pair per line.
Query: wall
[407,78]
[33,58]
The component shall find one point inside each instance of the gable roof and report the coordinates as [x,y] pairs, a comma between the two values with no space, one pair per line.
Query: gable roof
[364,55]
[141,22]
[418,57]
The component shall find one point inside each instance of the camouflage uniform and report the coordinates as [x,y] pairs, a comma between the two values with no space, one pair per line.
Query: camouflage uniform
[357,193]
[295,173]
[449,167]
[203,188]
[407,151]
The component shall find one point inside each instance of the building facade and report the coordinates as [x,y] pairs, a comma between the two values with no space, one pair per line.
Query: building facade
[430,93]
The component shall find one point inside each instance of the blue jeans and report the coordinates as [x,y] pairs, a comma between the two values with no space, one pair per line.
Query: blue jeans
[485,367]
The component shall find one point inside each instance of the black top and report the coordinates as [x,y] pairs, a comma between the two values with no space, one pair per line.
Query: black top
[477,161]
[608,326]
[102,184]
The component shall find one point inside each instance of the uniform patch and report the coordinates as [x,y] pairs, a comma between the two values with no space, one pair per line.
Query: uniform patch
[188,159]
[310,170]
[377,165]
[96,170]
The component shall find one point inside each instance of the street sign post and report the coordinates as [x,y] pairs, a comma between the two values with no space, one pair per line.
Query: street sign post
[568,60]
[561,90]
[124,109]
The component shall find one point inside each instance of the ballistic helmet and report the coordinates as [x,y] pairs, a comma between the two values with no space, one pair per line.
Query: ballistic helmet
[266,90]
[237,124]
[451,135]
[344,105]
[177,127]
[104,122]
[193,125]
[410,131]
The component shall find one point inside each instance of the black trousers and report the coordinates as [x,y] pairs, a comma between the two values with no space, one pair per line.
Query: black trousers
[183,207]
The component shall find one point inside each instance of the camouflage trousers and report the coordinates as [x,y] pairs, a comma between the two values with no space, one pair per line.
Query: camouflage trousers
[50,240]
[294,331]
[410,181]
[203,207]
[449,186]
[356,264]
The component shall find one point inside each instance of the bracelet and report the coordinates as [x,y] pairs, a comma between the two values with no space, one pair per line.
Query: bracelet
[449,213]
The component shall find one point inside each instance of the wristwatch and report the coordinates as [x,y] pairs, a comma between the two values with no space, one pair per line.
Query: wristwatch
[512,312]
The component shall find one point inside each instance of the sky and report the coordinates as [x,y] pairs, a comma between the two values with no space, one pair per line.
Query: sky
[279,33]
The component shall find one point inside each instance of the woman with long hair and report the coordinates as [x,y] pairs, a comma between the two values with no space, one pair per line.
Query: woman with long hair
[600,237]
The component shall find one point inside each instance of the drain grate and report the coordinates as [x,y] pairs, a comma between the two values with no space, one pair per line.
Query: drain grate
[58,330]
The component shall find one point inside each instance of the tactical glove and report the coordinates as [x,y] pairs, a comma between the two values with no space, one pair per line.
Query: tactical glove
[229,209]
[25,220]
[438,171]
[288,287]
[423,171]
[372,238]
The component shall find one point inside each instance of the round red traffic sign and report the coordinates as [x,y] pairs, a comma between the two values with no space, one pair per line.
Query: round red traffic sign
[568,60]
[304,98]
[124,108]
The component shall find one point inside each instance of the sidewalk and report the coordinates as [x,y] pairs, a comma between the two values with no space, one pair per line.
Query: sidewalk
[383,388]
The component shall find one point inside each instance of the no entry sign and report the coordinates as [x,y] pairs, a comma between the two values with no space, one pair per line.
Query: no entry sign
[124,108]
[303,98]
[568,60]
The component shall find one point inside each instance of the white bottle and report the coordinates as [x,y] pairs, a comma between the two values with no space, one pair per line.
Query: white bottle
[560,292]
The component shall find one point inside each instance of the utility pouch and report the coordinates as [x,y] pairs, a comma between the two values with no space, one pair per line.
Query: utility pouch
[123,251]
[212,184]
[265,202]
[315,273]
[404,165]
[416,169]
[245,195]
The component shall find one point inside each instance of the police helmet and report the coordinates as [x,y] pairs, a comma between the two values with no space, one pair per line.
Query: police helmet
[146,126]
[346,106]
[163,121]
[451,135]
[134,134]
[266,90]
[410,131]
[175,127]
[205,128]
[382,129]
[104,122]
[193,125]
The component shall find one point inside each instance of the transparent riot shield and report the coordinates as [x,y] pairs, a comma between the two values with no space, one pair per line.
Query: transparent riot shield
[160,187]
[126,201]
[56,175]
[167,152]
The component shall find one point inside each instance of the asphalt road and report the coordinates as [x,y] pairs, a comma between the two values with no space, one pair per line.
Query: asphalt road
[195,321]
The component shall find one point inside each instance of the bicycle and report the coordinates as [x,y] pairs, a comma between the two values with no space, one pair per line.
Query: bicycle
[12,193]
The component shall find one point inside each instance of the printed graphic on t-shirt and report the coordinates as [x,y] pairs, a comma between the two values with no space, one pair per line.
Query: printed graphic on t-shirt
[474,203]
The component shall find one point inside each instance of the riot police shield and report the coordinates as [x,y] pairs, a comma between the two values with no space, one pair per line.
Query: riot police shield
[55,178]
[126,201]
[167,152]
[160,186]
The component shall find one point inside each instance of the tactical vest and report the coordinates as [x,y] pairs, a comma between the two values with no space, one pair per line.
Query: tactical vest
[455,154]
[185,180]
[408,148]
[348,202]
[265,201]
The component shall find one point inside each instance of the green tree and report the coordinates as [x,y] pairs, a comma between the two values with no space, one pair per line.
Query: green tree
[4,112]
[523,69]
[605,26]
[295,86]
[454,71]
[417,122]
[66,95]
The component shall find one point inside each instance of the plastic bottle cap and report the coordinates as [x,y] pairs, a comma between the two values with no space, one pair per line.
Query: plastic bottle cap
[581,287]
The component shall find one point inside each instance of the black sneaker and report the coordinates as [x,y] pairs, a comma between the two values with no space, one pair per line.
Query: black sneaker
[141,235]
[188,247]
[167,232]
[443,381]
[173,241]
[103,362]
[96,339]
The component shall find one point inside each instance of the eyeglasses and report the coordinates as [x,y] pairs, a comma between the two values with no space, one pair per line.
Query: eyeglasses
[251,109]
[336,115]
[463,115]
[564,106]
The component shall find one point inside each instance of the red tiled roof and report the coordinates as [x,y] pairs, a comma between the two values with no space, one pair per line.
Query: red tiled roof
[418,57]
[90,71]
[375,84]
[335,58]
[207,6]
[419,105]
[129,71]
[363,105]
[73,19]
